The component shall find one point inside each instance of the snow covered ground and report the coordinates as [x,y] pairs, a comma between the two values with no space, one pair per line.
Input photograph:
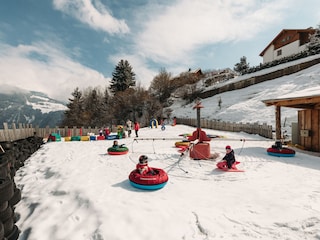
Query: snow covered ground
[75,191]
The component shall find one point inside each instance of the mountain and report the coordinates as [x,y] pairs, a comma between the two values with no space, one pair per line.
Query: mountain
[29,107]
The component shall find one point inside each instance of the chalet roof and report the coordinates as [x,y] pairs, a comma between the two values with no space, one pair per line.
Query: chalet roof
[197,71]
[280,34]
[306,102]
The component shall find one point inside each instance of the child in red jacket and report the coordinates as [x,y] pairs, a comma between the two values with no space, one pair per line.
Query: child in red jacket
[142,166]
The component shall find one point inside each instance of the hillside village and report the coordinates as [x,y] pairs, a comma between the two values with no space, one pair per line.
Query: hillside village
[289,45]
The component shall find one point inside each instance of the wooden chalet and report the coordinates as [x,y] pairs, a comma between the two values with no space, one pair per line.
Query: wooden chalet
[308,119]
[286,43]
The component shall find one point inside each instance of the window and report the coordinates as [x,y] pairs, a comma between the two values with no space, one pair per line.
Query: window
[279,52]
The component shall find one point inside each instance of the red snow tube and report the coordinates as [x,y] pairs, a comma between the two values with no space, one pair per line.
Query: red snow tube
[281,152]
[149,181]
[223,165]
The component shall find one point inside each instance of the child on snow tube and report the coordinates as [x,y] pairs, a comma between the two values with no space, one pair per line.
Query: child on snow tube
[142,167]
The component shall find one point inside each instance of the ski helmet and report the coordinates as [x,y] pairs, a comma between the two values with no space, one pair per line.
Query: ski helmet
[143,159]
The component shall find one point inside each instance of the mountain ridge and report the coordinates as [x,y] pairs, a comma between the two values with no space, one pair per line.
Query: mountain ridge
[29,107]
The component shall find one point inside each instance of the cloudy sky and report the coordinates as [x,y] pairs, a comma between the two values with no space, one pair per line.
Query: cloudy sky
[54,46]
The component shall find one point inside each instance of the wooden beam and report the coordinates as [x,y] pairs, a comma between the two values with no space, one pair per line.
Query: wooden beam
[300,102]
[317,106]
[278,122]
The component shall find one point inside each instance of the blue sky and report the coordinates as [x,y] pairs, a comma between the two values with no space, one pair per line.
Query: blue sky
[54,46]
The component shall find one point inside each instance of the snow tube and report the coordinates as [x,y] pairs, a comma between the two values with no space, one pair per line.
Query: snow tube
[182,143]
[111,137]
[85,138]
[54,137]
[214,136]
[153,123]
[75,138]
[185,135]
[102,137]
[149,181]
[223,166]
[281,152]
[67,139]
[121,150]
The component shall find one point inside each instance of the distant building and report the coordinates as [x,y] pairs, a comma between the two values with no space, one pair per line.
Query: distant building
[196,72]
[286,43]
[218,76]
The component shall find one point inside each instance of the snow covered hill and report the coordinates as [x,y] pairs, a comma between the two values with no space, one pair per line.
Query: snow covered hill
[245,105]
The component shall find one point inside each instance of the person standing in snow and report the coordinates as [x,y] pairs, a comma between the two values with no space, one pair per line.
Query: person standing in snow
[106,132]
[129,127]
[229,157]
[136,127]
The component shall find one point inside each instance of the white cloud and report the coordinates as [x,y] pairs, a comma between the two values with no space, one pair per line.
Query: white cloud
[51,72]
[174,33]
[96,16]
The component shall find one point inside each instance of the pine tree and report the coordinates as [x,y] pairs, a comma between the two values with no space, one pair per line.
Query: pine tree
[93,108]
[73,116]
[122,77]
[314,45]
[106,112]
[242,66]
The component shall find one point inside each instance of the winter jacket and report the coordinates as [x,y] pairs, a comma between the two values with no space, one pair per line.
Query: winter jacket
[230,159]
[143,168]
[136,126]
[129,125]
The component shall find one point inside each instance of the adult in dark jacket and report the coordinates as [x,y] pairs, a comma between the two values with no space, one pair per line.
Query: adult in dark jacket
[229,157]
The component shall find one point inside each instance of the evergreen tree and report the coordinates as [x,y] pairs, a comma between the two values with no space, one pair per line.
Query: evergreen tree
[144,106]
[73,116]
[242,66]
[107,113]
[92,110]
[122,77]
[314,45]
[135,104]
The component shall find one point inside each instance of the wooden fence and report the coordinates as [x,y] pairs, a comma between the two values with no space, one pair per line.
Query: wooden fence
[26,130]
[13,133]
[263,130]
[23,131]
